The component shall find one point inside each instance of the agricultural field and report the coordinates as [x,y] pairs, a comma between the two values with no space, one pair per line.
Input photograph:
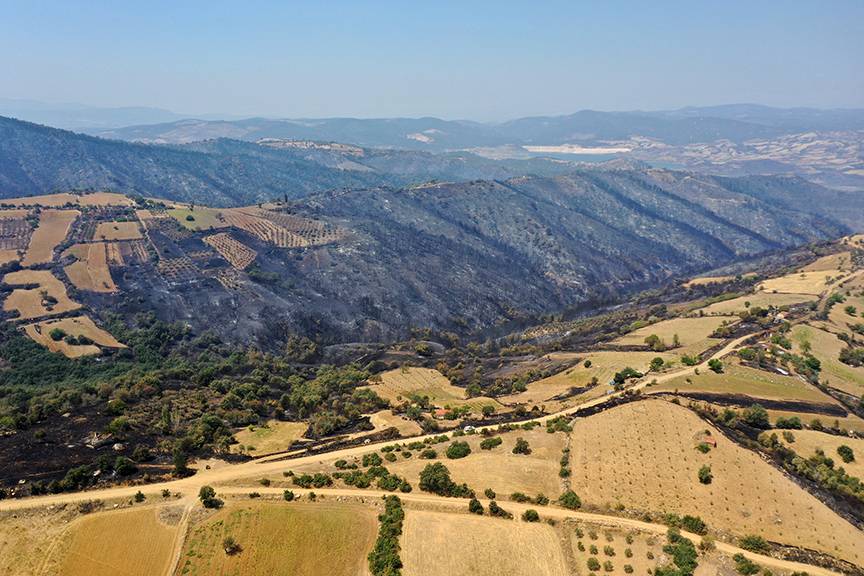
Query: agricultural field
[643,456]
[640,545]
[384,419]
[604,365]
[132,542]
[806,442]
[739,379]
[90,270]
[117,231]
[235,252]
[15,231]
[440,544]
[274,436]
[812,282]
[28,538]
[397,385]
[77,326]
[310,232]
[53,227]
[499,468]
[65,198]
[704,280]
[849,422]
[202,218]
[282,539]
[694,334]
[841,261]
[826,347]
[48,298]
[839,317]
[760,299]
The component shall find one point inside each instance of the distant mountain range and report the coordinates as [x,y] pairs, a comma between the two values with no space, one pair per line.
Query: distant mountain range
[36,159]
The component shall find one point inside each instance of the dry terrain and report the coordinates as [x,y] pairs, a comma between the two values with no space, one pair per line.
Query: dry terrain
[397,385]
[811,282]
[738,379]
[274,436]
[440,544]
[90,271]
[117,231]
[694,334]
[643,455]
[826,347]
[31,302]
[761,299]
[202,218]
[277,539]
[384,419]
[131,542]
[77,326]
[806,442]
[53,227]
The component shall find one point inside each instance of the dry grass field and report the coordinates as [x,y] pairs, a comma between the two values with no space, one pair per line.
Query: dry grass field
[826,347]
[604,365]
[236,253]
[77,326]
[704,280]
[841,319]
[738,379]
[203,218]
[64,198]
[31,302]
[642,455]
[850,422]
[7,256]
[761,299]
[693,333]
[275,436]
[384,419]
[396,386]
[499,468]
[132,542]
[28,538]
[808,441]
[812,282]
[117,231]
[440,544]
[832,262]
[640,546]
[53,227]
[90,272]
[280,539]
[104,199]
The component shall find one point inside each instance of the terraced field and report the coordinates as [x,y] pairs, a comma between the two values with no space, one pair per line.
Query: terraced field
[281,539]
[642,455]
[235,252]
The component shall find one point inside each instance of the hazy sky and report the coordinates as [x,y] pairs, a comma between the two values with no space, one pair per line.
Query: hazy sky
[461,59]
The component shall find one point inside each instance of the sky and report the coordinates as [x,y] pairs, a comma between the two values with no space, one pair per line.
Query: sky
[462,59]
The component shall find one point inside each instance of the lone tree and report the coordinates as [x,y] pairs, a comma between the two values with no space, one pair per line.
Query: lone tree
[705,475]
[207,495]
[521,447]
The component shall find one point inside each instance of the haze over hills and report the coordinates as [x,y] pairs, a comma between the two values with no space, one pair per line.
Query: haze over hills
[823,145]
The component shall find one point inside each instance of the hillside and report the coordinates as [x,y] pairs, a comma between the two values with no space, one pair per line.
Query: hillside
[37,160]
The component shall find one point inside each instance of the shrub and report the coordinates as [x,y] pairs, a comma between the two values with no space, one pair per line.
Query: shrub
[593,549]
[229,544]
[705,475]
[757,417]
[519,497]
[489,493]
[628,553]
[288,495]
[208,498]
[754,543]
[373,459]
[139,496]
[435,478]
[707,544]
[497,511]
[715,365]
[703,447]
[846,453]
[427,454]
[57,334]
[593,564]
[744,566]
[489,443]
[530,515]
[384,558]
[254,495]
[475,507]
[788,436]
[694,524]
[458,450]
[570,499]
[521,447]
[607,566]
[793,423]
[628,569]
[609,551]
[264,481]
[541,500]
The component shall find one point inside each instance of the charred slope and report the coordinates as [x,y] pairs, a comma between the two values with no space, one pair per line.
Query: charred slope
[467,256]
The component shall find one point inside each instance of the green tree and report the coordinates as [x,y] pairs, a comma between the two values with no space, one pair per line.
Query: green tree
[521,447]
[531,515]
[705,475]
